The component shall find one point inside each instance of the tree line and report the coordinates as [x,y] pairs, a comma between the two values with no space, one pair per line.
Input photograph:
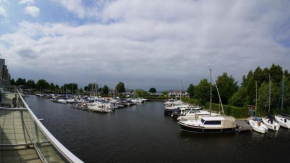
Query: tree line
[245,94]
[72,88]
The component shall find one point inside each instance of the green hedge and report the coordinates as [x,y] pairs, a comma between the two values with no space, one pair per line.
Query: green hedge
[190,101]
[237,112]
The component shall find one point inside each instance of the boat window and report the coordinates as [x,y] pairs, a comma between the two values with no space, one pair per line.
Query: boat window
[212,122]
[202,120]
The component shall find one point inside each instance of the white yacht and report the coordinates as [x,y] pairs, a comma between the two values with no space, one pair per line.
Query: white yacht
[63,101]
[196,114]
[210,124]
[100,107]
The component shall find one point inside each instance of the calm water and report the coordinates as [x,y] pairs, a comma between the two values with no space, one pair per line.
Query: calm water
[143,134]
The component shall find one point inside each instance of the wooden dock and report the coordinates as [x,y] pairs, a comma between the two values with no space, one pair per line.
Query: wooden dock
[243,125]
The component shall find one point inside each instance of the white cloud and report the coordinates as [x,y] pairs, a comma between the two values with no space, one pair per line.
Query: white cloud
[2,11]
[26,1]
[150,43]
[32,11]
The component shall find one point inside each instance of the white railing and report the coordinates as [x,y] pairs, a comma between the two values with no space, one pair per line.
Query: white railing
[61,149]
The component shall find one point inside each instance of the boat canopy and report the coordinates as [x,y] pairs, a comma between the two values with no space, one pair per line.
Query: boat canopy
[229,122]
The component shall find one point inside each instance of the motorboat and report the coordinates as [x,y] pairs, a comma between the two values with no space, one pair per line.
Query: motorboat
[63,101]
[196,114]
[210,124]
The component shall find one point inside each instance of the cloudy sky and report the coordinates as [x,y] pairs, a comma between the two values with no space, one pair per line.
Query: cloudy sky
[142,43]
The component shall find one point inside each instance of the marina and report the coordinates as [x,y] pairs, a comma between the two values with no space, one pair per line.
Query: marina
[144,133]
[144,81]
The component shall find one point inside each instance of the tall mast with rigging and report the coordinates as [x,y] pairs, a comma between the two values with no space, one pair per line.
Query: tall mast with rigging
[210,94]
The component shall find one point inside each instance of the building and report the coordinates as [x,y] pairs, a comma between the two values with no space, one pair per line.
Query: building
[4,73]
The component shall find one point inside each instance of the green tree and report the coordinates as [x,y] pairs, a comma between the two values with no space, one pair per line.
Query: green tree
[164,93]
[57,87]
[190,90]
[286,99]
[276,72]
[202,91]
[42,84]
[120,87]
[20,81]
[86,88]
[91,87]
[152,90]
[239,98]
[51,87]
[259,76]
[12,82]
[263,97]
[105,90]
[70,87]
[141,92]
[30,84]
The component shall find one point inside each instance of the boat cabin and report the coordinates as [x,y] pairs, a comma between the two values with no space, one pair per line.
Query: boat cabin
[218,121]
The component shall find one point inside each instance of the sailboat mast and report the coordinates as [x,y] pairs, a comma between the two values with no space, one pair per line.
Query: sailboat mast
[256,97]
[96,89]
[210,94]
[179,88]
[282,90]
[269,93]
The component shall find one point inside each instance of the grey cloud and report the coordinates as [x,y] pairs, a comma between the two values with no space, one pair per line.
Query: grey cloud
[145,51]
[27,53]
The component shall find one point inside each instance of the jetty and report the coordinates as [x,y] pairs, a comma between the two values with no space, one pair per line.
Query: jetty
[243,125]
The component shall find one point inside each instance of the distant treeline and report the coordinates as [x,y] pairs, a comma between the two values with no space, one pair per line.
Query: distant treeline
[45,87]
[245,94]
[93,89]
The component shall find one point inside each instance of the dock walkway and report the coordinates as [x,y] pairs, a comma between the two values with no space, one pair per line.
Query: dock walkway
[243,125]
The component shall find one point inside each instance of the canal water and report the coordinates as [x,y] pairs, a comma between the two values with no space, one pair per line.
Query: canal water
[143,134]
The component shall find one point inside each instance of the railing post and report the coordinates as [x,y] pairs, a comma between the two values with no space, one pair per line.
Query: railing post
[23,127]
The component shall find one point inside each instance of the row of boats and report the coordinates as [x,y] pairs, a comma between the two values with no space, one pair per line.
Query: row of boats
[272,122]
[194,118]
[94,103]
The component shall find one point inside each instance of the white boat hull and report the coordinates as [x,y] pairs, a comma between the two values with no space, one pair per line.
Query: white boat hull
[272,125]
[99,109]
[258,126]
[284,122]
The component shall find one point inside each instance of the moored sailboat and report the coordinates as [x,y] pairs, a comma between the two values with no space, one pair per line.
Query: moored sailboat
[269,122]
[283,121]
[210,124]
[256,124]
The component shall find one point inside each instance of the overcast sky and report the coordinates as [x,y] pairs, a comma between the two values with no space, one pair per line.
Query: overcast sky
[143,43]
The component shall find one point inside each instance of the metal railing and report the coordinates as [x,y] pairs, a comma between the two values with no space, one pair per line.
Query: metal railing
[47,146]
